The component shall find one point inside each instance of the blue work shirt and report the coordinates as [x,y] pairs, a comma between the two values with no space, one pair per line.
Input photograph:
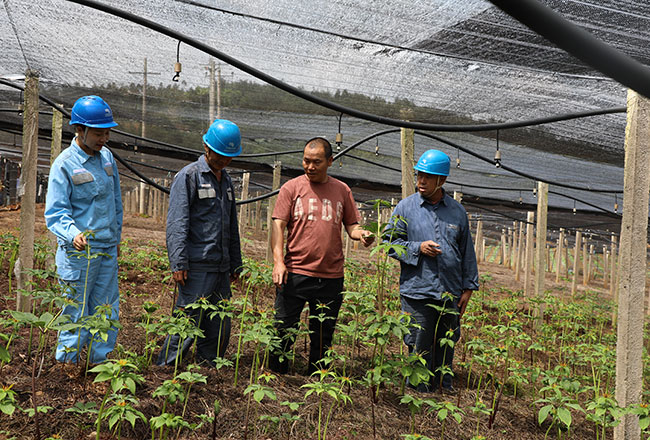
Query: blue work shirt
[422,277]
[83,194]
[202,229]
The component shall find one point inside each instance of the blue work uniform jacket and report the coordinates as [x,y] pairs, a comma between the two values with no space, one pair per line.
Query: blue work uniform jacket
[416,220]
[202,229]
[83,194]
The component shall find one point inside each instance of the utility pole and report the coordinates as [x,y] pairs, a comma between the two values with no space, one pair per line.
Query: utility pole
[145,73]
[211,69]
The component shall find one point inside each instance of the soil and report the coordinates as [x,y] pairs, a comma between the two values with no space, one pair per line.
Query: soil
[61,386]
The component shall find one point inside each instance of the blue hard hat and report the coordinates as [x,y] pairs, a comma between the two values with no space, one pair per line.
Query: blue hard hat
[92,111]
[223,137]
[433,162]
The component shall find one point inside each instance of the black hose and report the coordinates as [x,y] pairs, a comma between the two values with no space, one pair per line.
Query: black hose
[579,43]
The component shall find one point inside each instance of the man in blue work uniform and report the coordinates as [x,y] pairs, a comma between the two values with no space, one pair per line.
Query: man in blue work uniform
[203,240]
[438,268]
[83,209]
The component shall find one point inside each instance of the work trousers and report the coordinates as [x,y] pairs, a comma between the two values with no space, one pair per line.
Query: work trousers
[324,297]
[90,283]
[214,286]
[435,324]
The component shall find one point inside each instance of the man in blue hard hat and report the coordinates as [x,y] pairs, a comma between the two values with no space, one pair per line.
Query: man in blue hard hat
[83,209]
[203,241]
[438,268]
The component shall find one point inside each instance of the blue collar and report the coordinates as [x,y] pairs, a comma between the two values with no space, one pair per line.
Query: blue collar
[442,200]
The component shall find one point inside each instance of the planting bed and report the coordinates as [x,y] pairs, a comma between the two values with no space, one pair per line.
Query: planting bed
[511,372]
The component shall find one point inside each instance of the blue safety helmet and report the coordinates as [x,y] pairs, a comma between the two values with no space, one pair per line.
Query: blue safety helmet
[433,162]
[223,137]
[92,111]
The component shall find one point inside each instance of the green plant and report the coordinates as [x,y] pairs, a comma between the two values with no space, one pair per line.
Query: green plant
[121,408]
[321,388]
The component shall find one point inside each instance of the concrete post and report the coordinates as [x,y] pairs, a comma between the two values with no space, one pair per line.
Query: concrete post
[576,259]
[540,237]
[632,267]
[520,252]
[528,279]
[479,240]
[560,251]
[243,209]
[585,271]
[28,182]
[612,272]
[277,173]
[408,161]
[503,252]
[143,207]
[605,266]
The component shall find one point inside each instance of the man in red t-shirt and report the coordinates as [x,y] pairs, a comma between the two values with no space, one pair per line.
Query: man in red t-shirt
[312,208]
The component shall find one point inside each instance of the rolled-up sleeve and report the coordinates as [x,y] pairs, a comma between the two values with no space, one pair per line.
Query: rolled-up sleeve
[58,209]
[178,221]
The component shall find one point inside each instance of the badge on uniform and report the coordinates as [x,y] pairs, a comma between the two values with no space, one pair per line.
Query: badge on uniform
[229,192]
[207,192]
[81,175]
[108,167]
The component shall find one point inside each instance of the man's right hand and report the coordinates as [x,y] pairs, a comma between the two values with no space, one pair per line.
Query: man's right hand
[430,248]
[80,242]
[180,276]
[280,274]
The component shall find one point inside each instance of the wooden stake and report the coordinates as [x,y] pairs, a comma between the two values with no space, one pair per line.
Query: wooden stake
[520,252]
[408,152]
[243,209]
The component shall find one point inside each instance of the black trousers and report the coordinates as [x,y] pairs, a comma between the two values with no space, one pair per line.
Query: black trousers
[324,298]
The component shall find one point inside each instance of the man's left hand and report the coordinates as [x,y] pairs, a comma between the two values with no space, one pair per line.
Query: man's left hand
[463,301]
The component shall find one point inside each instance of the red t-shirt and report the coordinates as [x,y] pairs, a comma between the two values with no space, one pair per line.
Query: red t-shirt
[314,213]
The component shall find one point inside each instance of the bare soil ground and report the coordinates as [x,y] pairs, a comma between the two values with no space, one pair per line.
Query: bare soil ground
[61,386]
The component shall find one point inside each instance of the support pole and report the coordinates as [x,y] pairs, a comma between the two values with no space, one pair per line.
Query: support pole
[243,210]
[520,251]
[576,260]
[28,182]
[528,279]
[408,152]
[559,256]
[540,238]
[277,173]
[479,240]
[55,149]
[632,267]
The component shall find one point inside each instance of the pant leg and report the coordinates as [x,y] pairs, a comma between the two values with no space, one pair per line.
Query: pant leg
[105,292]
[420,340]
[77,275]
[444,356]
[324,304]
[212,345]
[288,307]
[214,286]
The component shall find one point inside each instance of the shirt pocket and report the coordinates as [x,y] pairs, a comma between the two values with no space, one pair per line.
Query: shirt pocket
[84,186]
